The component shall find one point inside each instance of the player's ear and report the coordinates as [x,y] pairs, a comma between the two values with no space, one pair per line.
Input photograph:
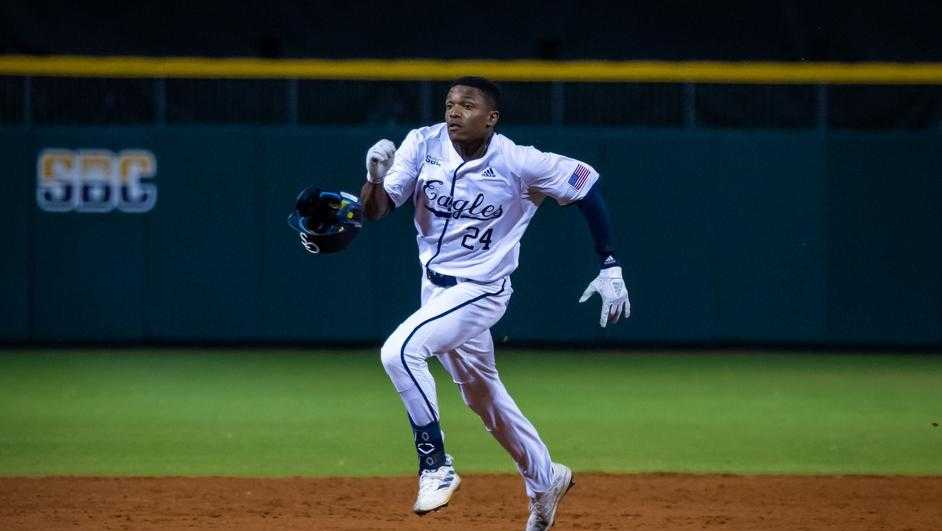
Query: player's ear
[492,118]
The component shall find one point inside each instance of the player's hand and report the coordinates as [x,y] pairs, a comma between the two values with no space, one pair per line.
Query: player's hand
[611,287]
[308,245]
[379,159]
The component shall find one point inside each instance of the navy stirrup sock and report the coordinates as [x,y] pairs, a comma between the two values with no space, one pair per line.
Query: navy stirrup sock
[429,445]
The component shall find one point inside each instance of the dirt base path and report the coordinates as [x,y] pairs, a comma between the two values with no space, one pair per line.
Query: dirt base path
[483,503]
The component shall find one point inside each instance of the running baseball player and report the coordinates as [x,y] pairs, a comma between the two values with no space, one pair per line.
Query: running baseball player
[474,192]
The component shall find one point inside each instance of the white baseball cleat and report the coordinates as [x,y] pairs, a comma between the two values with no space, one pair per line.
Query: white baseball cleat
[436,487]
[543,505]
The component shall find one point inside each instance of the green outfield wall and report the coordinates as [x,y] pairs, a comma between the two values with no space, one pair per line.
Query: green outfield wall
[727,236]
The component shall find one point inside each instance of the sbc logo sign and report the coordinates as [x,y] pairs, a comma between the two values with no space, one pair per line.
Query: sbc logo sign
[96,180]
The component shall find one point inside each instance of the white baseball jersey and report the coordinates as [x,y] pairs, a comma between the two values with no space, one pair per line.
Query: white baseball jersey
[470,215]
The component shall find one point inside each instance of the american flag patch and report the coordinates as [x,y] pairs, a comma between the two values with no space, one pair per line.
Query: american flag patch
[579,177]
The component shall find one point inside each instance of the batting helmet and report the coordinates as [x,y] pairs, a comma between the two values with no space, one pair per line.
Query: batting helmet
[328,220]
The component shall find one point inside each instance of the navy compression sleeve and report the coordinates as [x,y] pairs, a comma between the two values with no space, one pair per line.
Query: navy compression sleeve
[593,208]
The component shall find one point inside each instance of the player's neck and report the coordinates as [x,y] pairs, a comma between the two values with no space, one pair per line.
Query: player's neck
[473,149]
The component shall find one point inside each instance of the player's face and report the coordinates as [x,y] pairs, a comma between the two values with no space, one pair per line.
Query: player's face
[469,114]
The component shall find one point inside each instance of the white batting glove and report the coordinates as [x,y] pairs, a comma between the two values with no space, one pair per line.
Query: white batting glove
[308,245]
[379,159]
[611,287]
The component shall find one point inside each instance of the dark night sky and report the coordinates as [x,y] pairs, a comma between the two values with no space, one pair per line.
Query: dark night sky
[670,29]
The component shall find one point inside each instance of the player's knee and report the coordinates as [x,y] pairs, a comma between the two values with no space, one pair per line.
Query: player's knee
[390,356]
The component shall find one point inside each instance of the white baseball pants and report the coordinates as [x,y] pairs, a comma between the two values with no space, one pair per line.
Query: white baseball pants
[453,325]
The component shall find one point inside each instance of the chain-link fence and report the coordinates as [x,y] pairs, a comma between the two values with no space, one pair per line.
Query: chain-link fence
[32,100]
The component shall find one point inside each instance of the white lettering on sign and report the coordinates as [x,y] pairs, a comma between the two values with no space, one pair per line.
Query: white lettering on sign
[96,180]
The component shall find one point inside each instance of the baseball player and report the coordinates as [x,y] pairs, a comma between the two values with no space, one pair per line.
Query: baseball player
[474,192]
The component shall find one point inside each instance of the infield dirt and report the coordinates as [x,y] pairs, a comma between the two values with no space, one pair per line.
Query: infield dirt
[485,502]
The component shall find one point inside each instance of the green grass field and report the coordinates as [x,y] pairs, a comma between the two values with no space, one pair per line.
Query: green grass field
[257,413]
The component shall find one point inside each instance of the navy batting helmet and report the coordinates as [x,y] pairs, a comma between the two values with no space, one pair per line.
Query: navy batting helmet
[327,221]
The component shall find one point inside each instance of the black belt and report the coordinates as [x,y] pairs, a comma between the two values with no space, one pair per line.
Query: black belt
[443,281]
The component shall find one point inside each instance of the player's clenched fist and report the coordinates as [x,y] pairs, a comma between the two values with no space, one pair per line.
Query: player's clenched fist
[379,159]
[611,287]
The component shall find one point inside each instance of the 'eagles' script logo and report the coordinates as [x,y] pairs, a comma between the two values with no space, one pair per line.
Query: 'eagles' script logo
[442,205]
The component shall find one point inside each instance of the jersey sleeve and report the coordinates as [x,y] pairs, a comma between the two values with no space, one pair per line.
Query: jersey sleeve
[564,179]
[399,182]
